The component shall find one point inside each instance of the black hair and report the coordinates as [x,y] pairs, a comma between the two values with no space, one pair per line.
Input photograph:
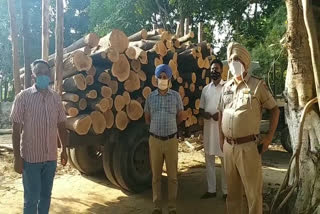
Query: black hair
[37,61]
[217,61]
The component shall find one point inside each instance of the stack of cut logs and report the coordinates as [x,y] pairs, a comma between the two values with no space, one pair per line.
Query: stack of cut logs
[107,80]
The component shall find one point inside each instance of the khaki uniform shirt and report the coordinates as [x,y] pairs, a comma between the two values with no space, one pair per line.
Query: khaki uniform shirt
[241,105]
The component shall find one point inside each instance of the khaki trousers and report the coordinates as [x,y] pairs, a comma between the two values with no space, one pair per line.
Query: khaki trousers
[243,171]
[160,151]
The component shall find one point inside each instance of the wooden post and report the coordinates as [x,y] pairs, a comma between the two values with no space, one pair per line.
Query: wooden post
[1,88]
[200,32]
[45,29]
[14,41]
[59,47]
[26,44]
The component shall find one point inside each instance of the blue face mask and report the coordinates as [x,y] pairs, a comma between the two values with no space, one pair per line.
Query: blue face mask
[42,81]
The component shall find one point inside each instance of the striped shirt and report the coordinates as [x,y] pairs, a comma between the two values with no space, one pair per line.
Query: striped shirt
[163,111]
[39,115]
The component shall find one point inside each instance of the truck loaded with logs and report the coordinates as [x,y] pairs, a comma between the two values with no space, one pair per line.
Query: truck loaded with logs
[106,82]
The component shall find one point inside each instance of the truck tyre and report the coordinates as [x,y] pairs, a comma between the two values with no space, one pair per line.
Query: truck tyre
[285,140]
[131,159]
[87,159]
[108,150]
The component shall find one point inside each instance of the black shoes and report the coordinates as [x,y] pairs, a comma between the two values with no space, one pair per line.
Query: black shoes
[209,195]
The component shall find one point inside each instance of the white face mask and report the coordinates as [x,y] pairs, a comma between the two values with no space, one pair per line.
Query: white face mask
[236,68]
[162,84]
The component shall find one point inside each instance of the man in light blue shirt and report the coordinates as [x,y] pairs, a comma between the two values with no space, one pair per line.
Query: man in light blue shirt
[163,111]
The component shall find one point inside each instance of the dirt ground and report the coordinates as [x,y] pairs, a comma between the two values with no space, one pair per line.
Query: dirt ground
[75,193]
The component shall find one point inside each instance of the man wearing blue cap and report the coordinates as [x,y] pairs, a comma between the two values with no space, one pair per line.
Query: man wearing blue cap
[163,111]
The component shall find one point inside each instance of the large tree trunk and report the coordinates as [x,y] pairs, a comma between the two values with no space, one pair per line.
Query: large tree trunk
[59,47]
[26,44]
[45,29]
[299,90]
[15,49]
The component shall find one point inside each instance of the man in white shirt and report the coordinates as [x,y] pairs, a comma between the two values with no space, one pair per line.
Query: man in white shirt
[208,110]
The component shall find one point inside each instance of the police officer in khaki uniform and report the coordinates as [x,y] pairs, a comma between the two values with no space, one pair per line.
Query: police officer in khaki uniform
[240,106]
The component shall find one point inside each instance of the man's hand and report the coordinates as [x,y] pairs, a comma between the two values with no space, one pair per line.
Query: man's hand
[207,115]
[215,116]
[266,141]
[18,165]
[64,157]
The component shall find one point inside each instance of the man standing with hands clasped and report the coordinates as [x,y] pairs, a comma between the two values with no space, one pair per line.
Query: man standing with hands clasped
[240,106]
[163,111]
[37,116]
[208,110]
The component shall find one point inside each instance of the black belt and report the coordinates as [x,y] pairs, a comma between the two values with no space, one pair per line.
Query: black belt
[241,140]
[163,137]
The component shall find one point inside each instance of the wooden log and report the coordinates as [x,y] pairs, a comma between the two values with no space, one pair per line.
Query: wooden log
[185,101]
[126,97]
[100,104]
[110,100]
[134,110]
[206,63]
[109,117]
[200,87]
[106,92]
[180,80]
[161,48]
[82,104]
[119,103]
[121,120]
[203,74]
[186,85]
[152,33]
[121,69]
[181,92]
[104,77]
[143,34]
[207,80]
[158,61]
[169,44]
[98,122]
[135,65]
[80,124]
[114,86]
[92,71]
[186,37]
[131,52]
[89,80]
[133,82]
[90,94]
[146,91]
[194,77]
[100,59]
[174,68]
[197,104]
[74,83]
[142,75]
[74,63]
[201,62]
[143,44]
[154,81]
[194,120]
[70,108]
[192,87]
[70,97]
[115,39]
[195,111]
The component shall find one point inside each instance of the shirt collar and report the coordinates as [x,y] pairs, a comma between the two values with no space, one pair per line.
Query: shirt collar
[169,91]
[35,90]
[221,83]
